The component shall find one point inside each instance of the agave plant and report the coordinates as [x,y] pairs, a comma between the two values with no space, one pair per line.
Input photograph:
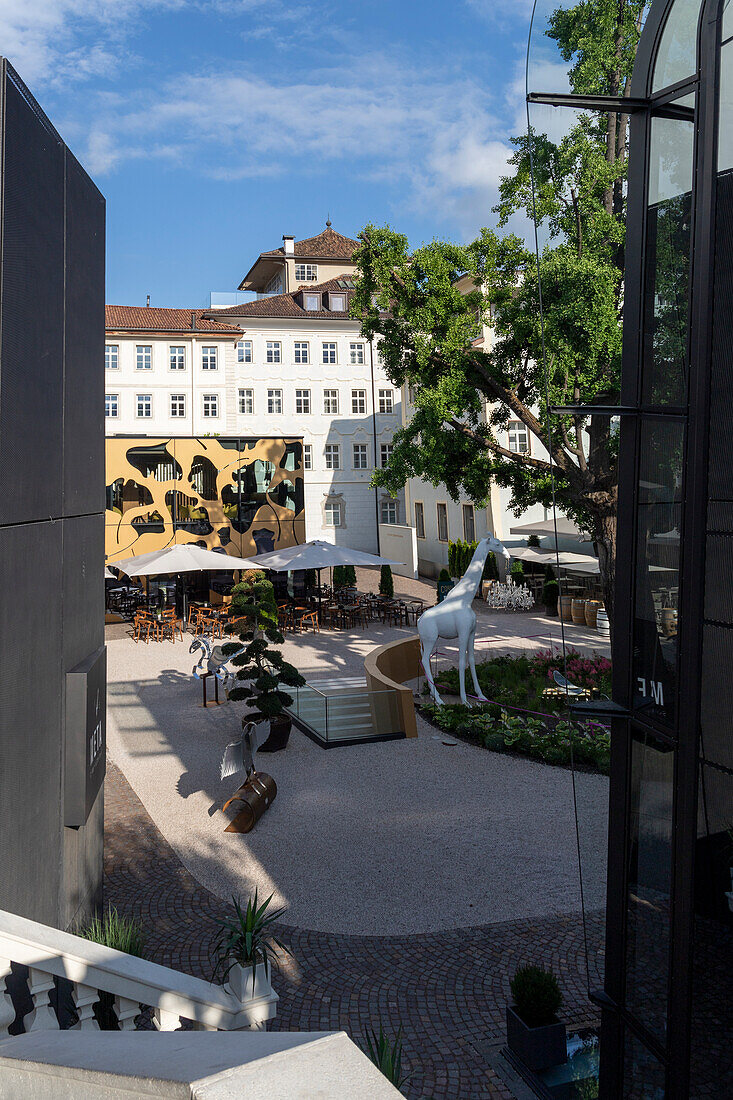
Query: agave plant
[246,938]
[386,1054]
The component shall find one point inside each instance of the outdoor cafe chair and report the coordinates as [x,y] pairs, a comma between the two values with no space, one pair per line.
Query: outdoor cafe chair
[309,621]
[142,626]
[171,622]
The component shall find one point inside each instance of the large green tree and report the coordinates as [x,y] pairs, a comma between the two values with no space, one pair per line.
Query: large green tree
[427,307]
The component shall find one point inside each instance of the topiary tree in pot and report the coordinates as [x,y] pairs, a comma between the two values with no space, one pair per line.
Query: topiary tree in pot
[534,1033]
[386,583]
[550,596]
[350,576]
[517,572]
[261,668]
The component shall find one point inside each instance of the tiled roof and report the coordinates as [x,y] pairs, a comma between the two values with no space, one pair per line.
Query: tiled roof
[291,305]
[156,319]
[328,245]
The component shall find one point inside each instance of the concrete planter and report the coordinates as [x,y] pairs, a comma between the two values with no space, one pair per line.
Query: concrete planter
[258,998]
[537,1047]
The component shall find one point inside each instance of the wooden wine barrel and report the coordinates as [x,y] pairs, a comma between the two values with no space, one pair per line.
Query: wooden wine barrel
[578,612]
[669,622]
[254,797]
[565,608]
[592,608]
[602,625]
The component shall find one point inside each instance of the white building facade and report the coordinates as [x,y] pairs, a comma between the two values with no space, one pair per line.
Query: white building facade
[285,364]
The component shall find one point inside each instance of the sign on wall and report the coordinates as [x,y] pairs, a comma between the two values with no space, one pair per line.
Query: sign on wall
[85,737]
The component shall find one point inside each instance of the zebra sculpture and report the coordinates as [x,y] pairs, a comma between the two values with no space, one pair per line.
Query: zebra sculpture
[216,661]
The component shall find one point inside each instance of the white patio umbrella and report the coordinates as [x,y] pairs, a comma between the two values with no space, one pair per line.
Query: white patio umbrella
[181,558]
[108,574]
[315,555]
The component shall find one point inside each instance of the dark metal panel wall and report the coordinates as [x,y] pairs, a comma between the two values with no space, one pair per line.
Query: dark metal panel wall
[83,345]
[32,315]
[31,699]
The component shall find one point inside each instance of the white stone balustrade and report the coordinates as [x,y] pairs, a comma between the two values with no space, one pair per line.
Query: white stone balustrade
[93,968]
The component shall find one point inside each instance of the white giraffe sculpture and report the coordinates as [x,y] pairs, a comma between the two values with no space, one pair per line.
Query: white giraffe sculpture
[455,618]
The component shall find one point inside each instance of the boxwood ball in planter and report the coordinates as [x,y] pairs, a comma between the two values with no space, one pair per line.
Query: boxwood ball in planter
[533,1031]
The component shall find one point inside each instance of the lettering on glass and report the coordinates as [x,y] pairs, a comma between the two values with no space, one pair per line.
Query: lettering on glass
[651,689]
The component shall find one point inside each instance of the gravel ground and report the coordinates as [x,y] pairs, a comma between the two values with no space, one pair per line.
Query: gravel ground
[393,838]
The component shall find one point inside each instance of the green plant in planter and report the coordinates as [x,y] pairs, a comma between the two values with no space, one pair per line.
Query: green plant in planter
[386,583]
[549,573]
[387,1055]
[517,572]
[246,939]
[491,569]
[350,574]
[537,996]
[550,596]
[113,930]
[261,668]
[444,575]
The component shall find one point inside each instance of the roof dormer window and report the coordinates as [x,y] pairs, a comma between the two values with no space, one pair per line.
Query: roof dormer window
[337,303]
[312,302]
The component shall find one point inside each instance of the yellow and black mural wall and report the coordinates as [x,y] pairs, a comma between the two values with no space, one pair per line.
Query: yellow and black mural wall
[243,495]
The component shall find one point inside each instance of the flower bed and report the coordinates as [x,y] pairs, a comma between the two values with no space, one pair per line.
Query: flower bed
[519,719]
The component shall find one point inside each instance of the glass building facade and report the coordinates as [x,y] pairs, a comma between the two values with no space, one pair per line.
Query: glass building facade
[668,999]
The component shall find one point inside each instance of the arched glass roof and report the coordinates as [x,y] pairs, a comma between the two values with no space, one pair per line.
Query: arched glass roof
[677,53]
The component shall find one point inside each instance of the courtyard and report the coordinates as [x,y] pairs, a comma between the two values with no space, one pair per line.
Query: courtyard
[416,873]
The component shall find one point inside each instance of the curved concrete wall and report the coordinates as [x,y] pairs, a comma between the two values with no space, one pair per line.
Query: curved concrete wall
[388,667]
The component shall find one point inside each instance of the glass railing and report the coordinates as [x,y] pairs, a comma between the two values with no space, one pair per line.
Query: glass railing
[350,716]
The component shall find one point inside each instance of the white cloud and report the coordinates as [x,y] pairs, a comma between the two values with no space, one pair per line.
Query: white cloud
[42,37]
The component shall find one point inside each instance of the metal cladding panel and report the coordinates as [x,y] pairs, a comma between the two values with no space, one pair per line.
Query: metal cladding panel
[31,351]
[31,700]
[83,588]
[83,344]
[721,376]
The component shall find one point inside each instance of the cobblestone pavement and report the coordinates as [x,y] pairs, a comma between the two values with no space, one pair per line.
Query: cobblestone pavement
[446,990]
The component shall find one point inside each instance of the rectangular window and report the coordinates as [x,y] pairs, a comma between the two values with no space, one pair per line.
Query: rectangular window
[388,511]
[333,515]
[312,303]
[273,351]
[300,351]
[307,456]
[111,405]
[143,357]
[419,519]
[356,353]
[518,437]
[177,358]
[442,510]
[469,523]
[386,404]
[244,351]
[144,404]
[360,456]
[329,352]
[358,401]
[385,453]
[331,402]
[274,401]
[208,358]
[302,401]
[211,404]
[306,273]
[333,456]
[111,356]
[178,404]
[247,402]
[337,303]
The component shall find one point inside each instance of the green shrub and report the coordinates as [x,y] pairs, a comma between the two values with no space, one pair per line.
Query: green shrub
[491,569]
[339,579]
[451,560]
[549,573]
[533,540]
[550,596]
[386,584]
[517,572]
[444,575]
[310,578]
[387,1055]
[350,574]
[113,930]
[536,994]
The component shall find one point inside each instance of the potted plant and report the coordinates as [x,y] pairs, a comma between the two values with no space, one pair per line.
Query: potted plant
[261,668]
[550,596]
[245,949]
[534,1034]
[517,572]
[444,584]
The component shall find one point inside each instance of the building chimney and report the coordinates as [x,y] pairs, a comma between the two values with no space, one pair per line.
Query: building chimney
[288,244]
[148,301]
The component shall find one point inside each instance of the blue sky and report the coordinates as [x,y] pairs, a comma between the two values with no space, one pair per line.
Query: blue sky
[215,126]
